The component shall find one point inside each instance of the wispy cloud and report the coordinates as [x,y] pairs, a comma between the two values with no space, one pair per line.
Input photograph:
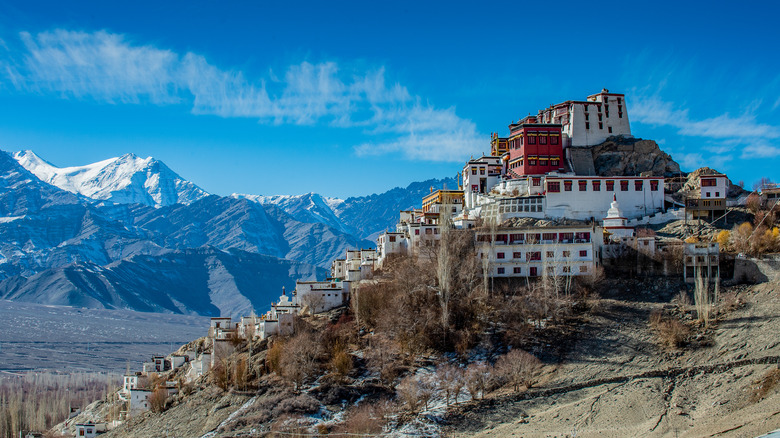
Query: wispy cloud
[655,111]
[111,68]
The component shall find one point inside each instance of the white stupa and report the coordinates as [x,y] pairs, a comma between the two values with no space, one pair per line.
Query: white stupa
[615,223]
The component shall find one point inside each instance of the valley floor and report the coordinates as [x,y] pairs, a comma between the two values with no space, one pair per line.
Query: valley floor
[35,337]
[616,381]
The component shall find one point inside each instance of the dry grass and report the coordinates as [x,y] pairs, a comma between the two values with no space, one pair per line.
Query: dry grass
[764,386]
[671,332]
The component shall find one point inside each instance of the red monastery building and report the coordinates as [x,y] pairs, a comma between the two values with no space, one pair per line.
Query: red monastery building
[534,148]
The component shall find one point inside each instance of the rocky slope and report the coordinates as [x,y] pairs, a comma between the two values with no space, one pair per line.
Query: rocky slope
[618,381]
[624,156]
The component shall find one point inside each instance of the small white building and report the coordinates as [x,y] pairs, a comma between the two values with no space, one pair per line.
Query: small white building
[321,296]
[222,328]
[139,401]
[714,186]
[481,175]
[90,430]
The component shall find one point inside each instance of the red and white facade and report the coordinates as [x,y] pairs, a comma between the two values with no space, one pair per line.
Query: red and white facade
[534,148]
[590,122]
[569,250]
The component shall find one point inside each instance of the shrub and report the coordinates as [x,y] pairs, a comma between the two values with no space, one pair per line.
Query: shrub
[157,400]
[366,419]
[671,332]
[518,368]
[341,363]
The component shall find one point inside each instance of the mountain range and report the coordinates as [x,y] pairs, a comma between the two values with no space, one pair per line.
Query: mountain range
[130,233]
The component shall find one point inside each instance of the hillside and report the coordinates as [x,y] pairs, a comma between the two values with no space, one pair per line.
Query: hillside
[616,380]
[605,372]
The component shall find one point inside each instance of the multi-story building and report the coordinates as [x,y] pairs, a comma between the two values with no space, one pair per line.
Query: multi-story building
[710,203]
[453,199]
[534,148]
[591,121]
[531,251]
[701,259]
[481,175]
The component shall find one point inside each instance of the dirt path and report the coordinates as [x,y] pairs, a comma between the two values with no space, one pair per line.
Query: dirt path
[618,382]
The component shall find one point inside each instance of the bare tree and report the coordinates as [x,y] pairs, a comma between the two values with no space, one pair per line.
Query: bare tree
[518,367]
[477,377]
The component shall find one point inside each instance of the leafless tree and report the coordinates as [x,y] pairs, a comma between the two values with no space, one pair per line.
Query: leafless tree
[518,367]
[477,377]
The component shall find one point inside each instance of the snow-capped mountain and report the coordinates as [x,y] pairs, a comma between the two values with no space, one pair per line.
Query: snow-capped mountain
[130,233]
[310,207]
[128,179]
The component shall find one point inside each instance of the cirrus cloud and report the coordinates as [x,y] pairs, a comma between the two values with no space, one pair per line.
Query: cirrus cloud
[111,68]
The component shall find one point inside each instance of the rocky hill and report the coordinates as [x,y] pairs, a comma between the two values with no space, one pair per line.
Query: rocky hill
[612,374]
[624,156]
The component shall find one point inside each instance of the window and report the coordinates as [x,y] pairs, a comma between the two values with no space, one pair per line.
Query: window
[536,182]
[532,140]
[550,237]
[435,231]
[601,125]
[654,185]
[532,162]
[517,270]
[473,170]
[550,270]
[542,139]
[567,185]
[708,182]
[623,186]
[517,255]
[566,237]
[584,252]
[500,270]
[566,269]
[583,185]
[609,129]
[534,238]
[599,119]
[428,231]
[533,255]
[582,237]
[610,185]
[553,186]
[481,170]
[416,232]
[516,237]
[532,271]
[620,112]
[596,185]
[499,255]
[587,125]
[638,185]
[554,162]
[554,139]
[550,254]
[717,194]
[567,253]
[587,116]
[392,238]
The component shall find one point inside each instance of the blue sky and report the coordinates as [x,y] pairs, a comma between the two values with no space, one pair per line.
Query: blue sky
[352,98]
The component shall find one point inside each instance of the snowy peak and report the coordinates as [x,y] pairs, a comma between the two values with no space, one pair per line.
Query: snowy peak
[128,179]
[308,208]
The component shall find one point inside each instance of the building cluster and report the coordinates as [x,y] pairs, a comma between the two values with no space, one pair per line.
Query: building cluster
[547,218]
